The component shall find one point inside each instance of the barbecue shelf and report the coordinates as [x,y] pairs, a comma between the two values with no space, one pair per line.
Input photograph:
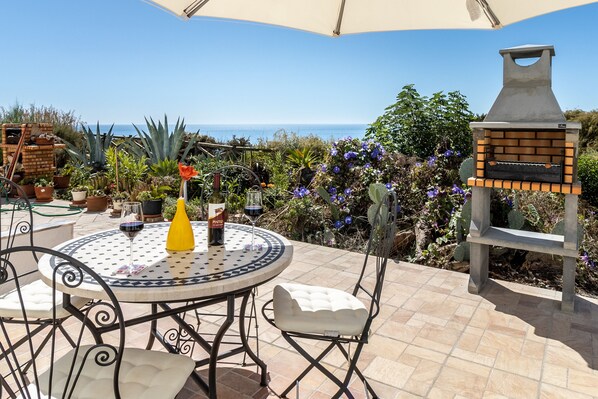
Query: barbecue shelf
[524,240]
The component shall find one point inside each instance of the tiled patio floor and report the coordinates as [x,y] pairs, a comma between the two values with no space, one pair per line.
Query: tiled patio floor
[432,339]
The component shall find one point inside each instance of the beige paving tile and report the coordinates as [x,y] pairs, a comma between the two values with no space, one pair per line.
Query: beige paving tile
[533,349]
[389,372]
[548,391]
[554,375]
[423,377]
[468,366]
[473,357]
[512,385]
[438,393]
[565,356]
[513,362]
[457,381]
[583,382]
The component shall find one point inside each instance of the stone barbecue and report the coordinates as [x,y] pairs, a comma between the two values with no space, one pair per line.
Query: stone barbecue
[525,143]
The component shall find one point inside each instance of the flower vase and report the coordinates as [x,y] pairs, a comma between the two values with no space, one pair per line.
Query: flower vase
[180,235]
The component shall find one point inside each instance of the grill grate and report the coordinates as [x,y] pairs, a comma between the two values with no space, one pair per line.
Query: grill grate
[525,171]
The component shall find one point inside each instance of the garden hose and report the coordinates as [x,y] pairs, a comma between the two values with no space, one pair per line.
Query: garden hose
[71,210]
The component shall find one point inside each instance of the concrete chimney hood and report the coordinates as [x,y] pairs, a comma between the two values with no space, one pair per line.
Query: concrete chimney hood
[526,99]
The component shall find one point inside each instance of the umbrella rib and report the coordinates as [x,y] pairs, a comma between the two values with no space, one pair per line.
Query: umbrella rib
[194,7]
[339,21]
[494,21]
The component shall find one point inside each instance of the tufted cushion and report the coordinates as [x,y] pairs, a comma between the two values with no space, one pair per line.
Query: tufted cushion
[319,310]
[143,374]
[37,297]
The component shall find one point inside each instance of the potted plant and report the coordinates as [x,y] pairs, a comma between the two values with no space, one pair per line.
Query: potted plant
[27,184]
[43,138]
[44,188]
[118,199]
[151,199]
[63,177]
[97,200]
[79,193]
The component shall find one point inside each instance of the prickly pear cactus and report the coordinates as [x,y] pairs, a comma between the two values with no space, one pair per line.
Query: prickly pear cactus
[466,216]
[461,252]
[559,229]
[377,191]
[463,222]
[466,170]
[516,219]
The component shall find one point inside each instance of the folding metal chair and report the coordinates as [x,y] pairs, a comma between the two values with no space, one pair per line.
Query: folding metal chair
[313,313]
[91,369]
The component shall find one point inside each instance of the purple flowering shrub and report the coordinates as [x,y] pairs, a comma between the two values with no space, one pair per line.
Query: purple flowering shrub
[350,167]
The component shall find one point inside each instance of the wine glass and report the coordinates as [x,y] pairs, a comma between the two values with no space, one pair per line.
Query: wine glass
[253,210]
[131,223]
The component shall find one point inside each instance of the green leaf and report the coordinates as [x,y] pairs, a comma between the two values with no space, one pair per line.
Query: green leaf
[559,229]
[377,191]
[466,170]
[324,194]
[461,252]
[516,219]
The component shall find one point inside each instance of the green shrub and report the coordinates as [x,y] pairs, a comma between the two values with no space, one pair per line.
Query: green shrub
[587,172]
[588,135]
[422,126]
[131,169]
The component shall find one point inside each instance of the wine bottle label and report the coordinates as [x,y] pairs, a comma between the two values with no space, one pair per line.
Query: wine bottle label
[216,215]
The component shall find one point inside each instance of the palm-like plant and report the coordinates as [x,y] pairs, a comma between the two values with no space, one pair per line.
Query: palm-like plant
[93,151]
[159,144]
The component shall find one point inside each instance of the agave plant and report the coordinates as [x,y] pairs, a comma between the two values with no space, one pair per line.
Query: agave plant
[159,144]
[93,151]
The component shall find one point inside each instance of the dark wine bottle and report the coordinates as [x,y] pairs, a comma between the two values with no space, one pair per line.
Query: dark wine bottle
[216,214]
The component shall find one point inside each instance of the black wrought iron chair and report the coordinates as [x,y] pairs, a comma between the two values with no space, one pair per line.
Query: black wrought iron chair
[304,312]
[17,229]
[92,369]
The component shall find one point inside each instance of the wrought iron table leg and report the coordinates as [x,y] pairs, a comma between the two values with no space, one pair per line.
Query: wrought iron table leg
[230,317]
[245,342]
[153,328]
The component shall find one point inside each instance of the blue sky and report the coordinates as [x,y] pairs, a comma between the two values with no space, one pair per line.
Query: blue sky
[117,61]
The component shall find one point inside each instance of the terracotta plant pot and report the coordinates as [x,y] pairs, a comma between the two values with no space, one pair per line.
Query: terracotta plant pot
[97,204]
[61,181]
[44,194]
[29,190]
[79,196]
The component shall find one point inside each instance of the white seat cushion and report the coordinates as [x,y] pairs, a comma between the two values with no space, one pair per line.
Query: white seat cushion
[143,374]
[37,297]
[318,310]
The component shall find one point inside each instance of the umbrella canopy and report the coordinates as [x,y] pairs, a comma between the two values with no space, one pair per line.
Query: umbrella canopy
[336,17]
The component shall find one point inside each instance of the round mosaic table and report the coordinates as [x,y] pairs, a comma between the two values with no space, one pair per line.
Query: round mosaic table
[175,276]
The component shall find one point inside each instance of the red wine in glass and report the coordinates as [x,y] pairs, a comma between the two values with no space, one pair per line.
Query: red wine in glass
[253,212]
[131,223]
[131,229]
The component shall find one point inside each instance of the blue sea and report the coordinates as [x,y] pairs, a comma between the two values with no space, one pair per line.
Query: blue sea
[253,132]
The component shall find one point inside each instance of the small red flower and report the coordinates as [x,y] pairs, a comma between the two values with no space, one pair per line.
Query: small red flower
[187,172]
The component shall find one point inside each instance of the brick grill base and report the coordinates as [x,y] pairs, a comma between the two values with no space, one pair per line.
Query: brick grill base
[565,188]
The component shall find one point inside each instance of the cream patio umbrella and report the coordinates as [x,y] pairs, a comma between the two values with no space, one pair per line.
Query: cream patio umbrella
[336,17]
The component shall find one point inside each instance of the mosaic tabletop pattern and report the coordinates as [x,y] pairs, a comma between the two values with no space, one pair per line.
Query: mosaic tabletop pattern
[175,276]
